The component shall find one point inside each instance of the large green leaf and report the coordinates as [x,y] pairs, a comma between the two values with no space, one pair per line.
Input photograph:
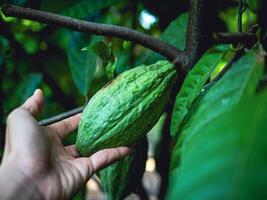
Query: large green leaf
[174,34]
[82,64]
[226,159]
[194,83]
[240,80]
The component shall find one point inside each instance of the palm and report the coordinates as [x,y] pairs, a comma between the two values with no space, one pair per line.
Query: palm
[58,171]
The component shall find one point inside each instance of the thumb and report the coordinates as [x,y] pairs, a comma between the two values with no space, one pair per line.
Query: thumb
[35,103]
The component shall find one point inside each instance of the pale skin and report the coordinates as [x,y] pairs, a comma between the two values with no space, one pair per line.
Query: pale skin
[36,165]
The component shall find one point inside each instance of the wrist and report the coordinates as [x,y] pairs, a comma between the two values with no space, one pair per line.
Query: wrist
[14,184]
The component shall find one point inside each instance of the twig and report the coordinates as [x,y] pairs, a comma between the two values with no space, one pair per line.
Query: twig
[248,39]
[61,116]
[154,44]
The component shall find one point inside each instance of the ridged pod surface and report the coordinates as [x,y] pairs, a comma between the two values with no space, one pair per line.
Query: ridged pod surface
[123,177]
[126,109]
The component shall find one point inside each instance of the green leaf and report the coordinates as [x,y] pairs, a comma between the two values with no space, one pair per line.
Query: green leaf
[254,5]
[104,51]
[77,8]
[174,34]
[29,85]
[82,64]
[225,62]
[83,7]
[240,80]
[58,6]
[194,83]
[226,159]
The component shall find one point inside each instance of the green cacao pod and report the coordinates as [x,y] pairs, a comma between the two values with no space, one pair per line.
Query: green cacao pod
[123,177]
[126,109]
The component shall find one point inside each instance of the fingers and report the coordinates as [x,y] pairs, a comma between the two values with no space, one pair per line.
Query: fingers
[99,160]
[71,150]
[35,103]
[66,126]
[106,157]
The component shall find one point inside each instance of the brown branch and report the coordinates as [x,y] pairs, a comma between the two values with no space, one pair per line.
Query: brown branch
[194,32]
[154,44]
[248,39]
[61,116]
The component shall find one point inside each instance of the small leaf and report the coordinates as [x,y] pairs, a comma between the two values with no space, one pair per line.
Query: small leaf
[194,83]
[82,64]
[104,52]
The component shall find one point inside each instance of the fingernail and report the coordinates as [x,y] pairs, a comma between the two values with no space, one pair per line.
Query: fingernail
[36,90]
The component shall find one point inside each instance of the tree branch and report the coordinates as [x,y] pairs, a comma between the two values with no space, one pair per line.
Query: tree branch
[154,44]
[186,58]
[61,116]
[193,35]
[248,39]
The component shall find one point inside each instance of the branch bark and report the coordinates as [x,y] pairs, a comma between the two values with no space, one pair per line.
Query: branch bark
[248,39]
[194,32]
[154,44]
[61,116]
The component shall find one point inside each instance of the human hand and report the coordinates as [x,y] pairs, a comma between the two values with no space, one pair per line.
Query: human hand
[36,165]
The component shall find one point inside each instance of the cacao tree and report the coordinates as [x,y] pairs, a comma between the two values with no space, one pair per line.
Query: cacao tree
[201,78]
